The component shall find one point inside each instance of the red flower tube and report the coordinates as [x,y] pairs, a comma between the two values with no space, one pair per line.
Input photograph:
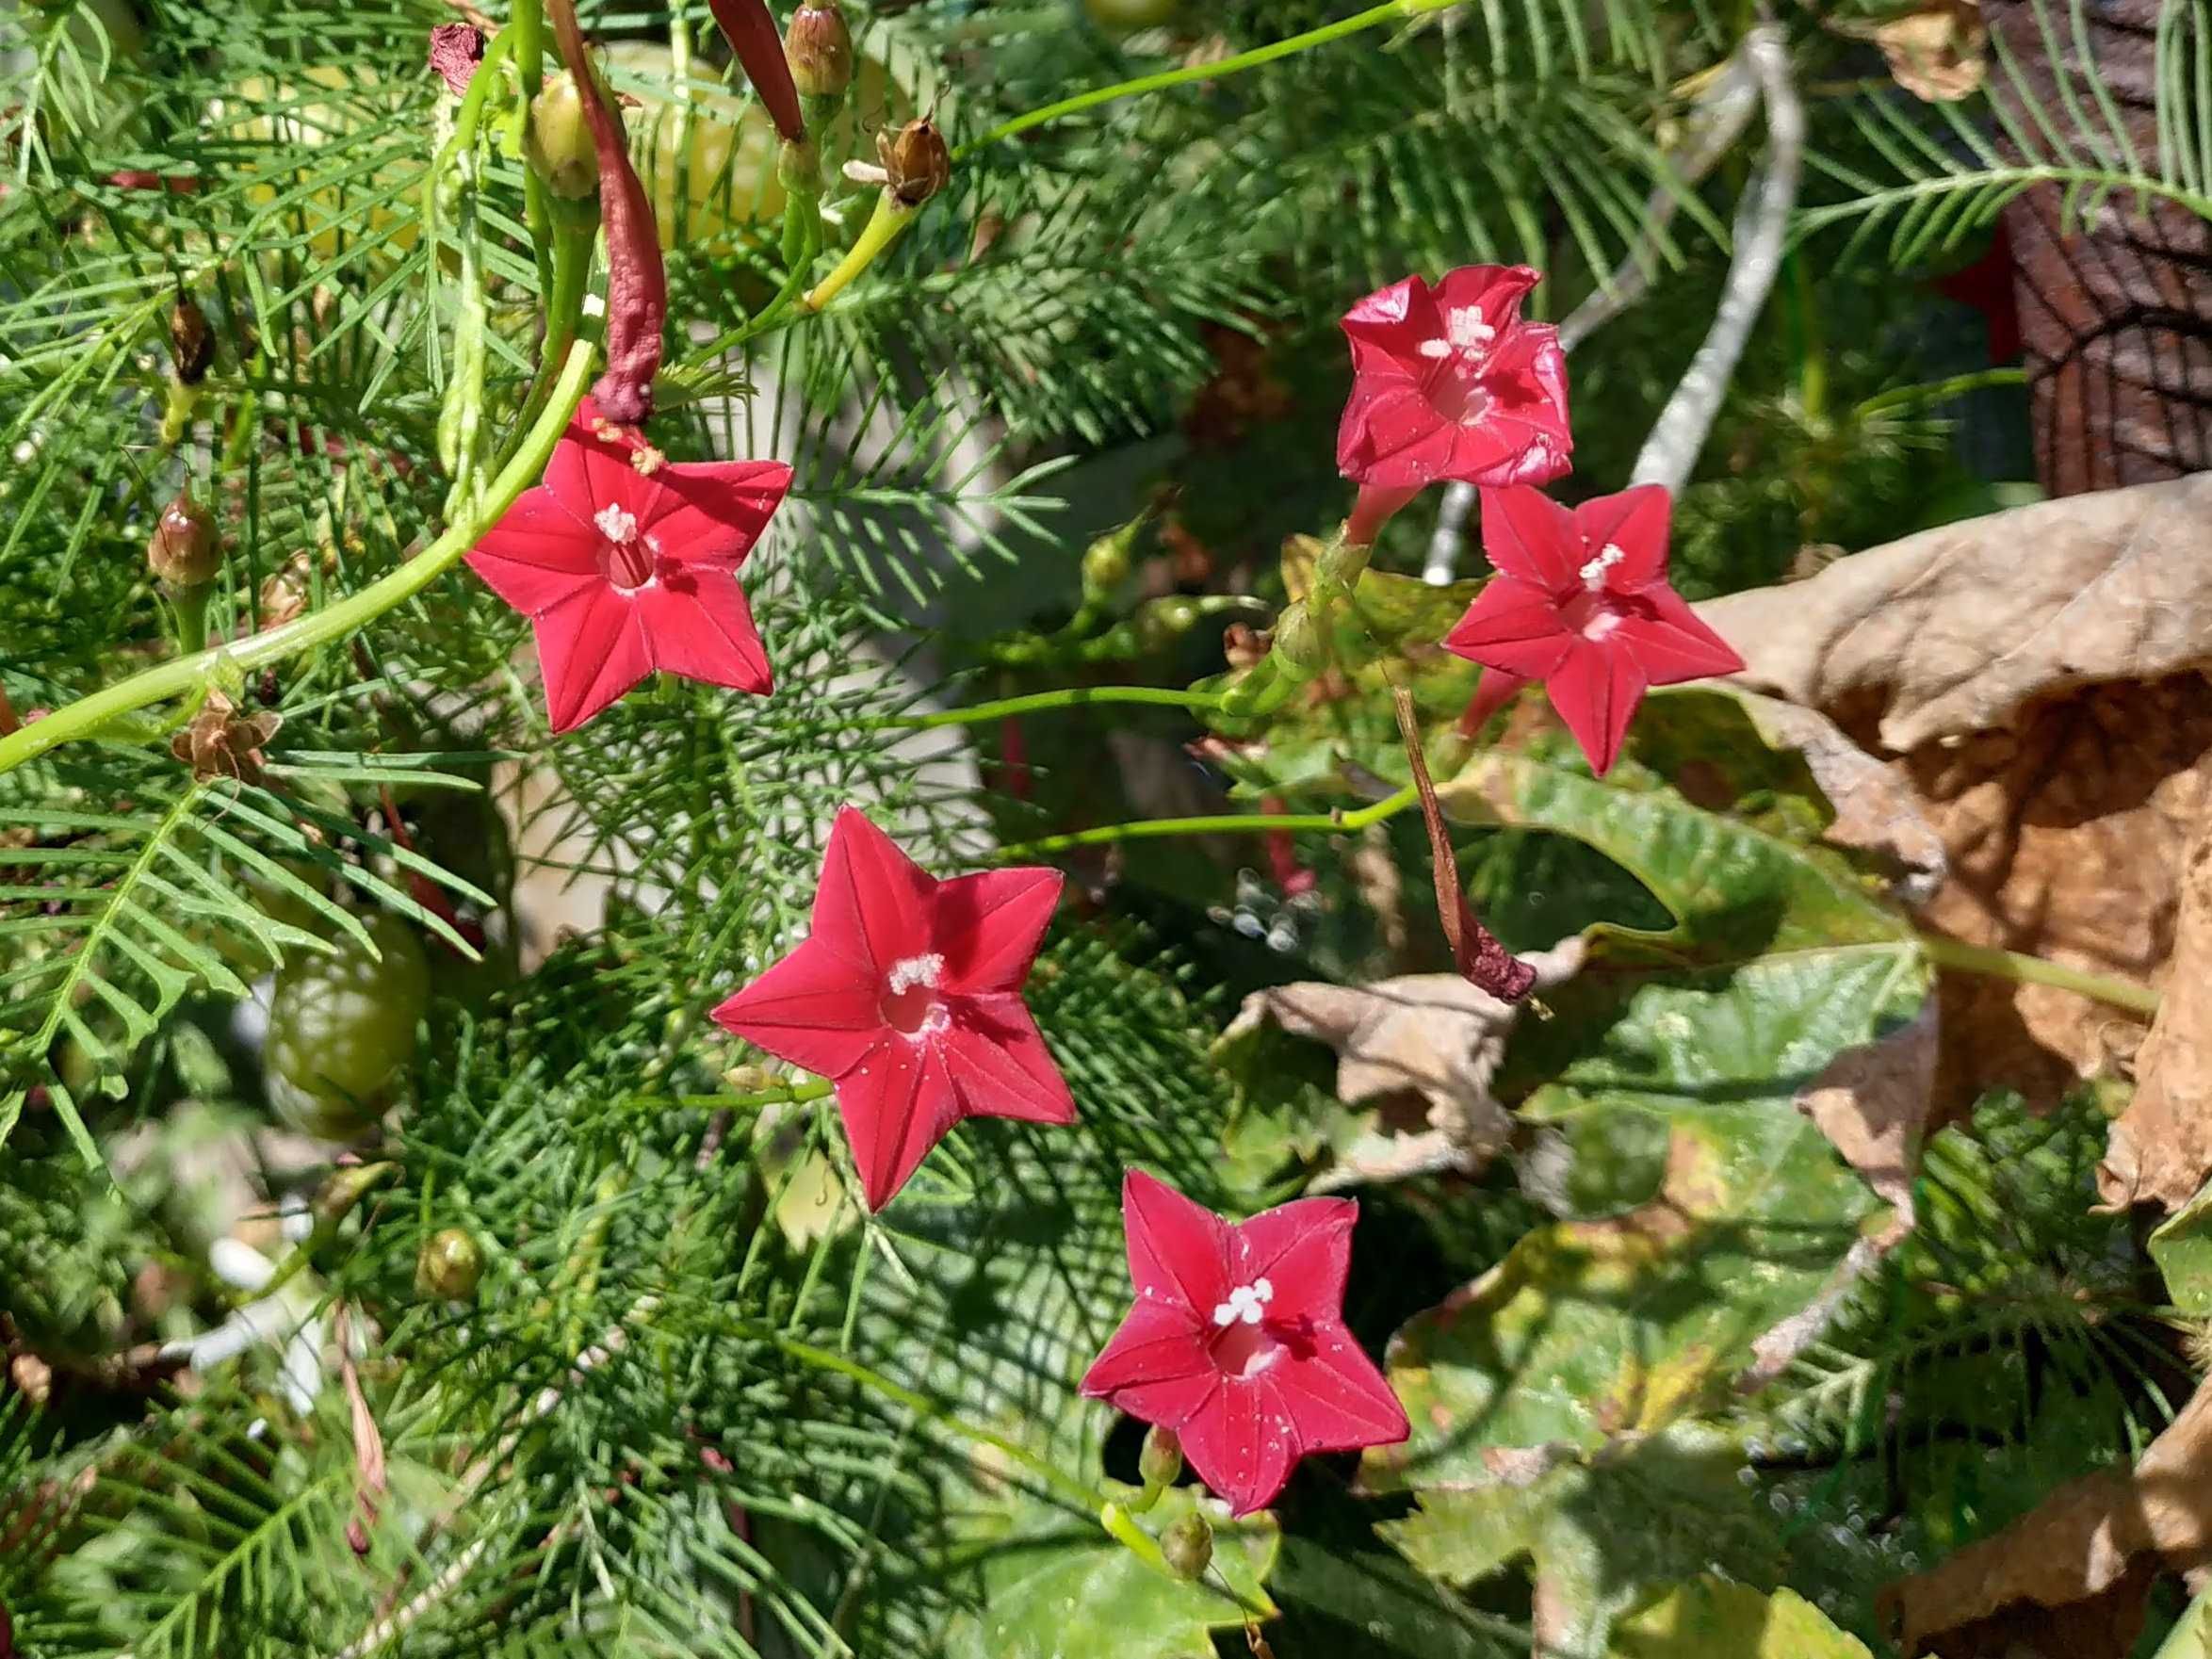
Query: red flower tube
[759,47]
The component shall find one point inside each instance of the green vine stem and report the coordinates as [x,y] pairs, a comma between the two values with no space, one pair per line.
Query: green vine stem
[1388,12]
[2021,969]
[891,215]
[1249,823]
[1038,702]
[181,675]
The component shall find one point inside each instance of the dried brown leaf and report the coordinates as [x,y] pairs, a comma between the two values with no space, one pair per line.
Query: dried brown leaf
[2082,1541]
[2160,1150]
[1956,629]
[1937,52]
[1429,1034]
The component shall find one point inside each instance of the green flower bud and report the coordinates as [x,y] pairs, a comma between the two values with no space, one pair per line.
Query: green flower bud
[450,1265]
[916,161]
[820,49]
[182,551]
[798,168]
[1106,564]
[560,139]
[1161,1460]
[1298,641]
[1188,1546]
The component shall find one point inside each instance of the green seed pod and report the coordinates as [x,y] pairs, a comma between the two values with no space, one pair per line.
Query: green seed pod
[449,1266]
[1106,564]
[1161,1458]
[182,551]
[820,46]
[559,140]
[1188,1546]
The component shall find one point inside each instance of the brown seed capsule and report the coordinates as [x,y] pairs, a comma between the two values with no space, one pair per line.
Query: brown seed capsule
[1188,1546]
[820,46]
[916,161]
[182,552]
[192,342]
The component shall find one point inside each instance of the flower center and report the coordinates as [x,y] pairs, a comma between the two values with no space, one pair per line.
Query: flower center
[628,556]
[1243,1346]
[911,1005]
[1467,336]
[1593,574]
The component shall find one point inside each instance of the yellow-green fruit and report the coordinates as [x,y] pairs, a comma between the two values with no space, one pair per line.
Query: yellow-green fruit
[341,1031]
[1120,16]
[450,1265]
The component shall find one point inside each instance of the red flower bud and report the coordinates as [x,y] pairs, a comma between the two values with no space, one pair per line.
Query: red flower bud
[917,161]
[636,283]
[820,47]
[181,552]
[760,51]
[192,342]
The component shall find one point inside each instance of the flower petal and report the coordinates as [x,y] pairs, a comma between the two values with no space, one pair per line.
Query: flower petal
[1635,522]
[1396,317]
[1596,692]
[1391,436]
[1303,1250]
[1491,692]
[697,624]
[1673,643]
[1156,1367]
[987,926]
[872,907]
[897,1104]
[1176,1248]
[1512,625]
[1529,535]
[1499,289]
[1242,1444]
[538,554]
[813,1009]
[1333,1392]
[999,1066]
[587,472]
[714,512]
[591,650]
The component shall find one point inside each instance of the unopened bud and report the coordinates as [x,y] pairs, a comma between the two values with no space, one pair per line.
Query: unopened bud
[449,1266]
[1161,1458]
[182,552]
[192,342]
[560,141]
[1106,564]
[820,49]
[1298,641]
[916,161]
[1188,1546]
[1162,622]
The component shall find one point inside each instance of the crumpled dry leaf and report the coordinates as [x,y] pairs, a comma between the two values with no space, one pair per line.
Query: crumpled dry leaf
[218,743]
[2080,1542]
[1431,1034]
[2160,1150]
[1938,52]
[1956,629]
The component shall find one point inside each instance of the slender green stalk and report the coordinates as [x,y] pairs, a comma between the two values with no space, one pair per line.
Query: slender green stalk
[1940,391]
[787,1094]
[890,216]
[1388,11]
[1234,823]
[1038,702]
[2036,970]
[184,674]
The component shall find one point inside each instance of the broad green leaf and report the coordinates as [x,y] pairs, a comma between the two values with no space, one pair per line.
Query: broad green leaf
[2182,1247]
[1597,1531]
[1709,1617]
[1055,1587]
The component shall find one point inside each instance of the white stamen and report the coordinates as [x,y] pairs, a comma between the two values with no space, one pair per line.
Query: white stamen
[1593,574]
[915,970]
[616,525]
[1466,334]
[1245,1302]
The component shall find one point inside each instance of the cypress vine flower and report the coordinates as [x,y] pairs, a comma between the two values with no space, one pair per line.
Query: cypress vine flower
[622,572]
[753,35]
[636,283]
[1581,601]
[1237,1340]
[1449,383]
[906,994]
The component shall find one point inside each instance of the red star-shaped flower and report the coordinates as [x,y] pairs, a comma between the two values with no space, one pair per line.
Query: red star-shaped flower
[623,572]
[1580,602]
[907,995]
[1448,382]
[1238,1343]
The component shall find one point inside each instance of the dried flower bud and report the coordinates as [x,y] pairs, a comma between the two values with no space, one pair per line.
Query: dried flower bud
[1243,645]
[182,552]
[1188,1546]
[449,1266]
[916,161]
[218,744]
[192,342]
[1161,1458]
[456,49]
[820,46]
[560,139]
